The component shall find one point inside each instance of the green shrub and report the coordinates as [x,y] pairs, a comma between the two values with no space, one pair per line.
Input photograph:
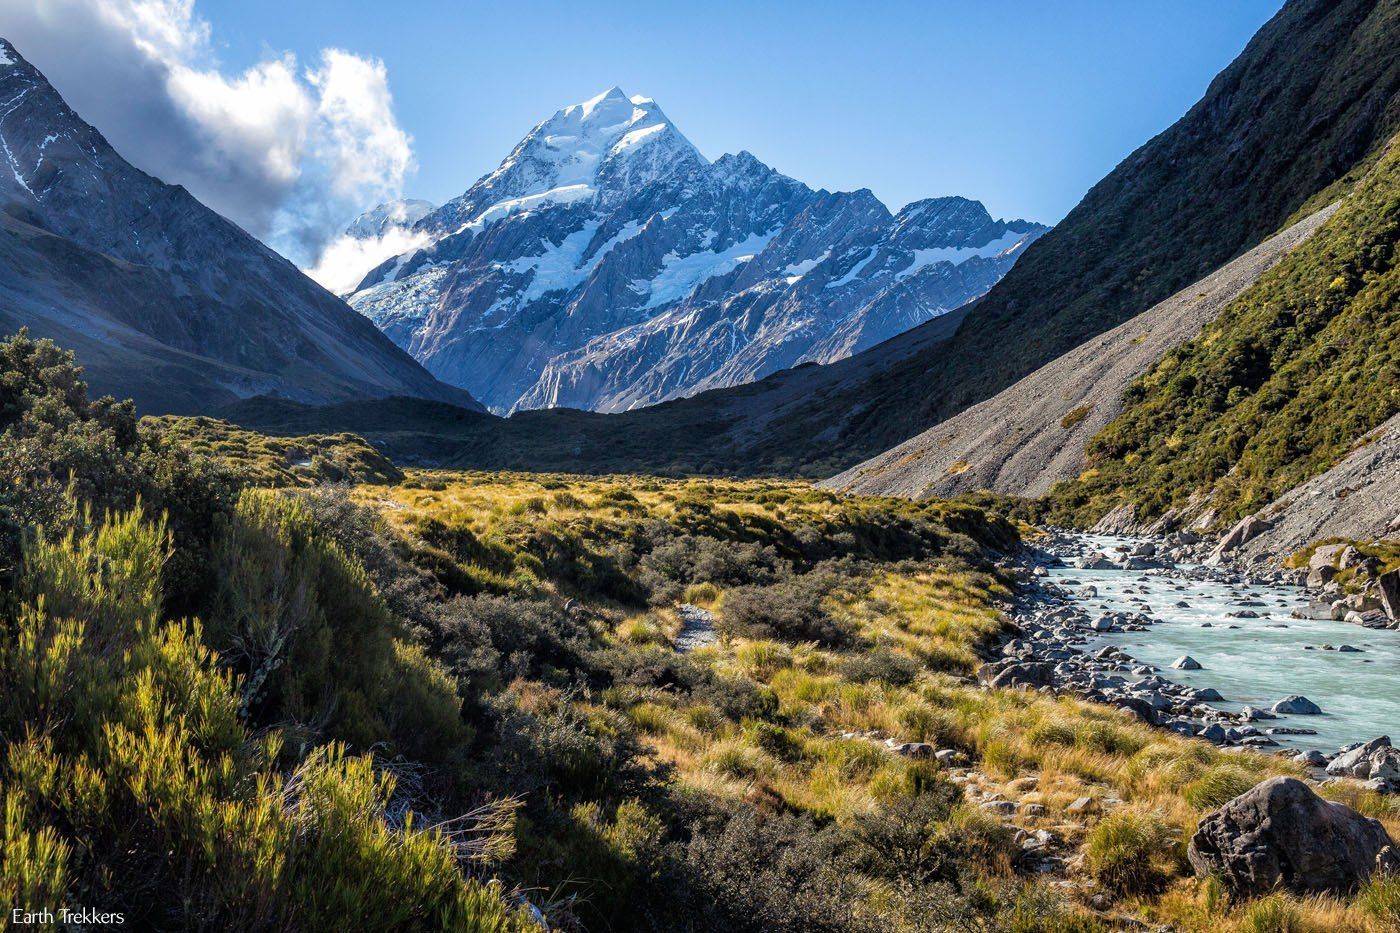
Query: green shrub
[1220,784]
[1128,853]
[791,611]
[886,667]
[300,622]
[131,782]
[777,741]
[780,873]
[1075,416]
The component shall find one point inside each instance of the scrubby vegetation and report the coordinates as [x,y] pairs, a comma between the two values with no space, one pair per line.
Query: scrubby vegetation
[455,701]
[278,461]
[1276,390]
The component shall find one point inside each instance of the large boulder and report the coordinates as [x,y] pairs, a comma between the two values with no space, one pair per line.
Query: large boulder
[1281,834]
[1326,555]
[1389,587]
[1297,706]
[1361,760]
[1245,530]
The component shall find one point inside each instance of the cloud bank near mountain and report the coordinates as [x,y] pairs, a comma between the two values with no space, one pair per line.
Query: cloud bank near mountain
[285,149]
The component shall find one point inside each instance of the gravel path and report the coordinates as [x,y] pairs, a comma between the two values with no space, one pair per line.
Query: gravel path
[698,628]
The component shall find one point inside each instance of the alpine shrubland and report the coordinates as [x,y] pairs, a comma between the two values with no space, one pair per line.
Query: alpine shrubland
[1275,390]
[453,700]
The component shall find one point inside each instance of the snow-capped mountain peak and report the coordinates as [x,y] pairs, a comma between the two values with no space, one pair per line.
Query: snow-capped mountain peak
[379,220]
[606,264]
[603,149]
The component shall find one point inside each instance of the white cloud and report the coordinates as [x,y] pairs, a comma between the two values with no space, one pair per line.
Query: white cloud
[346,260]
[288,152]
[361,140]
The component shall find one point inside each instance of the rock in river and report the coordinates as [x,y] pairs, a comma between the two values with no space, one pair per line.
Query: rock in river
[1297,706]
[1186,663]
[1281,833]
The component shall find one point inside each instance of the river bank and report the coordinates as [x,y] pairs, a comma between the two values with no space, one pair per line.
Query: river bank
[1213,652]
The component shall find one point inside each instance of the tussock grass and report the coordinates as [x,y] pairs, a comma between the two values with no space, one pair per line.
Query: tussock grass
[914,630]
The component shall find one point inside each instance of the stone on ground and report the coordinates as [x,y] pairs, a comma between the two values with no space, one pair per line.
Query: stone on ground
[1280,833]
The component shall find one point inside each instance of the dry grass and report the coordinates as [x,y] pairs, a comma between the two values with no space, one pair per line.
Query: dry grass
[824,751]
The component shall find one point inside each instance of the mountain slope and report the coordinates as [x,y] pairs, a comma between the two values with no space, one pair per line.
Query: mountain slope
[1273,392]
[1286,128]
[1288,123]
[841,276]
[162,299]
[1033,434]
[605,264]
[1358,499]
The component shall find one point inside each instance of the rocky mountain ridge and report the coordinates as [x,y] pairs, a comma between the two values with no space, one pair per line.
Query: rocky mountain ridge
[607,265]
[162,299]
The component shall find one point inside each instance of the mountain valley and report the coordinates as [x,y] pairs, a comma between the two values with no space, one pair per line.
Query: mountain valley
[639,542]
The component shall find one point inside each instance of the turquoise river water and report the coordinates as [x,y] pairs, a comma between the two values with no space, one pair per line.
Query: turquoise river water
[1259,661]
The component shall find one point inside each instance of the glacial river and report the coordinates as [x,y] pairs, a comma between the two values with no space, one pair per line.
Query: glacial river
[1254,662]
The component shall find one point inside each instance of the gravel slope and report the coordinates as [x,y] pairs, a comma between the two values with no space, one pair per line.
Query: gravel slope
[1358,499]
[1016,441]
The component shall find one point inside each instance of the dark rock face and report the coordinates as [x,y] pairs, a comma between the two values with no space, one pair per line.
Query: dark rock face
[606,265]
[1389,587]
[1281,834]
[161,298]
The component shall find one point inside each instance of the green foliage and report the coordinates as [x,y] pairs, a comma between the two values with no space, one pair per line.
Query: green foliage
[1128,852]
[271,462]
[1277,389]
[791,611]
[131,782]
[1075,416]
[314,643]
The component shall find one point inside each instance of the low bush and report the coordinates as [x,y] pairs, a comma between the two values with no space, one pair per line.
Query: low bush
[1129,853]
[673,566]
[792,611]
[883,666]
[779,873]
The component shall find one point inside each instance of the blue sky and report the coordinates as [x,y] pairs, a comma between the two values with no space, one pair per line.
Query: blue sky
[1023,105]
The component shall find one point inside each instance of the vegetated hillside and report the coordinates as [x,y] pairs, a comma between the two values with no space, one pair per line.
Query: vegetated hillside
[164,301]
[1313,93]
[639,704]
[276,462]
[1358,499]
[1274,391]
[1032,434]
[714,437]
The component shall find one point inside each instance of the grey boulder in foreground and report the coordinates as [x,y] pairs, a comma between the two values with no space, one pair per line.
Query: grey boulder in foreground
[1281,834]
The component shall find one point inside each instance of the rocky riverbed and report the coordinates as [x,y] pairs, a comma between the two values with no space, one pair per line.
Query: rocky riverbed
[1206,651]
